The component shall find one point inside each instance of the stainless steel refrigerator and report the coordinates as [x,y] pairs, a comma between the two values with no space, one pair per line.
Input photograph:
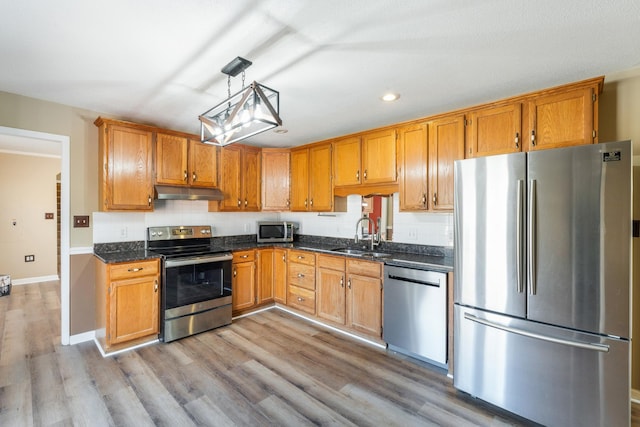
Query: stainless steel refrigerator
[542,283]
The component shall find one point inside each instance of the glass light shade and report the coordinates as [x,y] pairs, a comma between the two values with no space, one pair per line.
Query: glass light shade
[249,112]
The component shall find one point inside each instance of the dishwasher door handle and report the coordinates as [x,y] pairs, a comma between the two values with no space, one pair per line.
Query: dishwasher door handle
[416,281]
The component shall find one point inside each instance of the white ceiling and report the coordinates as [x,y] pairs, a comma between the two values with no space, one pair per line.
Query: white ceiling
[159,61]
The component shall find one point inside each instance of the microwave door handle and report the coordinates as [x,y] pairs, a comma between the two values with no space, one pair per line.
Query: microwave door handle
[285,230]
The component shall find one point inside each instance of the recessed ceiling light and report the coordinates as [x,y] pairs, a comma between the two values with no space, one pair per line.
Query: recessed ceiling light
[390,97]
[280,130]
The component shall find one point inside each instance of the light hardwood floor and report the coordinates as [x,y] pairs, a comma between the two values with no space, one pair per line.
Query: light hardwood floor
[271,368]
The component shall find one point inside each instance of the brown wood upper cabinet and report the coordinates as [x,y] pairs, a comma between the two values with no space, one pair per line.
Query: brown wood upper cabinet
[126,163]
[446,145]
[311,188]
[367,159]
[240,179]
[276,167]
[413,159]
[184,161]
[494,130]
[561,119]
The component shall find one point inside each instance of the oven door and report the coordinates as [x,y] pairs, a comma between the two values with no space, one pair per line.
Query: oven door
[194,283]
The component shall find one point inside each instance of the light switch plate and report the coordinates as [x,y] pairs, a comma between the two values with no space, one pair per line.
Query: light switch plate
[80,221]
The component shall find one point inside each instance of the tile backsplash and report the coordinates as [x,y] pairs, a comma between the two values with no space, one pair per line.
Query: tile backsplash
[434,229]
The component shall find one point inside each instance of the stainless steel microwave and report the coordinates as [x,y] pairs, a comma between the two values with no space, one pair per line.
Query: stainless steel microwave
[276,231]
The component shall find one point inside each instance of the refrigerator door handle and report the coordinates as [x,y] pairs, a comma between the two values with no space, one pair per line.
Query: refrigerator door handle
[531,240]
[519,231]
[588,346]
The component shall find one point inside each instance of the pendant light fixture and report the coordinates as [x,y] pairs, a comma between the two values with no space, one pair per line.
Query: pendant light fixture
[253,110]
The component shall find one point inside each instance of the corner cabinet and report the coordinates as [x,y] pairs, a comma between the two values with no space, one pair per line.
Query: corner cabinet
[125,181]
[240,179]
[127,301]
[311,179]
[276,184]
[185,162]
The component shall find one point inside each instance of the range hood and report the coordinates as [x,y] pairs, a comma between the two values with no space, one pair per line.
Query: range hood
[169,192]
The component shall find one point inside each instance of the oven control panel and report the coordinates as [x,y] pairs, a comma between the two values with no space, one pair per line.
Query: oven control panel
[180,232]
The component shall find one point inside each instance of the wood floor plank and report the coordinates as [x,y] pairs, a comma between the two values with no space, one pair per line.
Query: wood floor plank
[268,369]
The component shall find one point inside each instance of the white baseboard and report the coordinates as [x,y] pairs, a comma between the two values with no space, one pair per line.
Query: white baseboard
[29,280]
[83,337]
[635,395]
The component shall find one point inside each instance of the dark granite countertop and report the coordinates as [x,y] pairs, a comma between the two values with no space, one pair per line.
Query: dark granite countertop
[421,257]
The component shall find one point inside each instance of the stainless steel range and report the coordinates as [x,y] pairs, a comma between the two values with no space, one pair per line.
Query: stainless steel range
[196,281]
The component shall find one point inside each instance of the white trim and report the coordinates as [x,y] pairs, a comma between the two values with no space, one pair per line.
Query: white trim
[83,337]
[105,354]
[65,171]
[25,153]
[81,250]
[29,280]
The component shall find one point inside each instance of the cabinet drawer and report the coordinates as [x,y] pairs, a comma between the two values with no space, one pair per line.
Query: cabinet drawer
[302,257]
[364,268]
[244,256]
[302,275]
[331,262]
[302,299]
[133,269]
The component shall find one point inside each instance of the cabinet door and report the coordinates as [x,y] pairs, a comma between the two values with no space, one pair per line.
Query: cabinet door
[133,309]
[280,275]
[561,120]
[244,285]
[379,157]
[265,275]
[275,180]
[495,130]
[364,304]
[446,145]
[300,180]
[320,189]
[171,159]
[331,296]
[346,162]
[129,170]
[203,164]
[250,173]
[230,158]
[412,155]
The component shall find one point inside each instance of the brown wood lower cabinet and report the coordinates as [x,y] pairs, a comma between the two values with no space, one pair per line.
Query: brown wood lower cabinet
[301,281]
[243,280]
[127,301]
[349,292]
[280,275]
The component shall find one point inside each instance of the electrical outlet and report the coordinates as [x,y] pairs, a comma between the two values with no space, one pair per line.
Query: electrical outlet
[123,232]
[413,234]
[80,221]
[29,258]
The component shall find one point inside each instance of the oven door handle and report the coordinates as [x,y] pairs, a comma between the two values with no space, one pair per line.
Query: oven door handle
[196,260]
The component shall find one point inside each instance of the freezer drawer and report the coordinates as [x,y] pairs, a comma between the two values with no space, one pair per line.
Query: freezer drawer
[415,312]
[550,375]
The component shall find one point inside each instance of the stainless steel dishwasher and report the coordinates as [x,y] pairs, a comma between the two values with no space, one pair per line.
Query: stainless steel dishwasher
[415,313]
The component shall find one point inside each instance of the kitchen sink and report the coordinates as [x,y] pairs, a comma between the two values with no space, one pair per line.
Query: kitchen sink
[362,253]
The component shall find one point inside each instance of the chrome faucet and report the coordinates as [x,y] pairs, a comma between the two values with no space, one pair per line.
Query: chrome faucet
[374,238]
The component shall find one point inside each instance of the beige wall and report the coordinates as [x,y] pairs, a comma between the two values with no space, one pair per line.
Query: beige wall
[27,191]
[42,116]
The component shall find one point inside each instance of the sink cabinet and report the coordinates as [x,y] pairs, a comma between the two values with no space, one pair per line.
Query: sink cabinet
[331,280]
[127,301]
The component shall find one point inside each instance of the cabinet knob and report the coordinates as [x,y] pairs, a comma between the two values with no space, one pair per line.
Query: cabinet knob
[155,286]
[245,203]
[365,174]
[194,177]
[358,175]
[349,283]
[244,256]
[424,199]
[235,272]
[149,199]
[311,203]
[239,202]
[186,175]
[517,140]
[300,299]
[305,203]
[533,138]
[342,282]
[435,199]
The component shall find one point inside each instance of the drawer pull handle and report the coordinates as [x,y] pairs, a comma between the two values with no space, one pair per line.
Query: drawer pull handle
[300,275]
[300,256]
[135,270]
[300,299]
[342,282]
[155,286]
[244,256]
[349,283]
